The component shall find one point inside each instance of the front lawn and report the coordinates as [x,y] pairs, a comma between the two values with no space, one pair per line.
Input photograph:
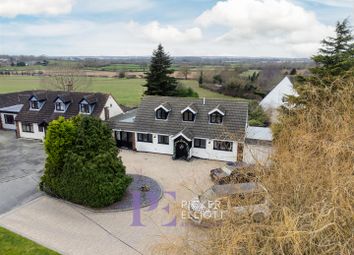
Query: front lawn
[13,244]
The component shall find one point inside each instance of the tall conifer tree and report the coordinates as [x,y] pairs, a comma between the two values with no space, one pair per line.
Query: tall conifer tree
[159,81]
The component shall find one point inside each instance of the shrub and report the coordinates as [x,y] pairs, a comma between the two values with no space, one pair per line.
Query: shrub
[82,164]
[183,91]
[257,116]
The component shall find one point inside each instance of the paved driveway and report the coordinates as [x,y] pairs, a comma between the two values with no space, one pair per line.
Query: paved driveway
[73,230]
[21,165]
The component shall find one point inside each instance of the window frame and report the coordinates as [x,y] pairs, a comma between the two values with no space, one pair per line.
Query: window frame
[217,146]
[11,116]
[199,144]
[144,138]
[82,106]
[161,114]
[163,139]
[25,128]
[188,113]
[216,118]
[59,109]
[34,103]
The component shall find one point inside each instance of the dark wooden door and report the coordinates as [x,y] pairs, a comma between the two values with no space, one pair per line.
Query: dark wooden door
[181,150]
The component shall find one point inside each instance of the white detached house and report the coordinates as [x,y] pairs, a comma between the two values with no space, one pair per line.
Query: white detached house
[185,127]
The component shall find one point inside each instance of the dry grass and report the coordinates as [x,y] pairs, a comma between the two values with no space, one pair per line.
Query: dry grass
[311,182]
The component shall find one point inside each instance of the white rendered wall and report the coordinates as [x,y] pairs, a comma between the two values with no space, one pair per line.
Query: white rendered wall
[114,110]
[8,126]
[35,135]
[210,153]
[154,146]
[256,153]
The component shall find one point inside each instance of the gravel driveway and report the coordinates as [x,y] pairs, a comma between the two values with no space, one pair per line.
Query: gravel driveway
[73,230]
[21,165]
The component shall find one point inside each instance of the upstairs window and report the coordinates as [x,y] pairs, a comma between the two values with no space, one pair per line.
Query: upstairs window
[34,105]
[161,114]
[188,116]
[215,118]
[84,108]
[59,107]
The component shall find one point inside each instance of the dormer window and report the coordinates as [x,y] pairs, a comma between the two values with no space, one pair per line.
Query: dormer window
[188,115]
[59,107]
[161,114]
[84,108]
[37,101]
[216,118]
[216,115]
[34,105]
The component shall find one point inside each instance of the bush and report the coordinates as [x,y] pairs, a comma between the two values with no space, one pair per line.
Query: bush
[82,164]
[182,91]
[257,116]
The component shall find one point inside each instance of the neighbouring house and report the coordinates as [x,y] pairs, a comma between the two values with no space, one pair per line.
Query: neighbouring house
[29,112]
[185,127]
[275,98]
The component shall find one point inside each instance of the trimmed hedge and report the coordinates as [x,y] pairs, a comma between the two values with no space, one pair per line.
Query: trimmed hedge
[82,164]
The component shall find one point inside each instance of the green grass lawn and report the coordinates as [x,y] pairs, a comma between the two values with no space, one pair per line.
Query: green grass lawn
[126,91]
[249,73]
[13,244]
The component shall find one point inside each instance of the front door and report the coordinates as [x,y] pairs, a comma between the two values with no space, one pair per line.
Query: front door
[182,148]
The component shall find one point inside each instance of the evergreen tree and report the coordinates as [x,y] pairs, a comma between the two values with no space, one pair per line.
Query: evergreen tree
[200,81]
[159,81]
[335,59]
[337,53]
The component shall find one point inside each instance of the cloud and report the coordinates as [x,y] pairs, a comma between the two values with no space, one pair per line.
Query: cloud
[272,23]
[13,8]
[335,3]
[155,32]
[111,5]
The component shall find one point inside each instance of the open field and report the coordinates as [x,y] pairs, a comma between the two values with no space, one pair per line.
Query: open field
[13,244]
[127,91]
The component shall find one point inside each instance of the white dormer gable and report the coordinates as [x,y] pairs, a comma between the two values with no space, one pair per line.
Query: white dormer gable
[161,106]
[188,108]
[216,110]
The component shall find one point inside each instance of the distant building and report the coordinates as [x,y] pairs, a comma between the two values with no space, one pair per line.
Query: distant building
[275,98]
[29,112]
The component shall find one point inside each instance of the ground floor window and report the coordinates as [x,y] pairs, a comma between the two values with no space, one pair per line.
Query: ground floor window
[222,146]
[28,128]
[200,143]
[163,139]
[146,138]
[41,128]
[9,119]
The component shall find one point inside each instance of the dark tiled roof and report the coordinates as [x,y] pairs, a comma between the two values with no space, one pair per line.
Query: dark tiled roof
[15,98]
[46,113]
[233,127]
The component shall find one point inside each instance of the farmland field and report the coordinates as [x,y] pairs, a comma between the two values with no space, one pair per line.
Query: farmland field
[127,91]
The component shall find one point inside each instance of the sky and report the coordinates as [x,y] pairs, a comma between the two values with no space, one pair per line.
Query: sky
[246,28]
